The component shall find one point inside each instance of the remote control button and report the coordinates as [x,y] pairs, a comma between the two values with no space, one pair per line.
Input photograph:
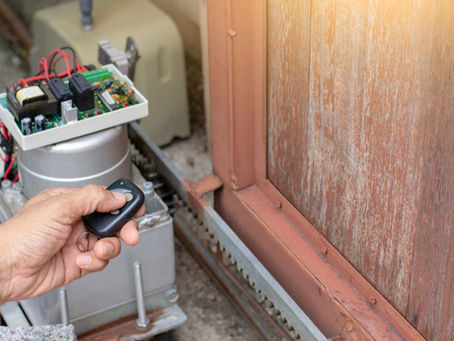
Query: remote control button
[115,212]
[128,196]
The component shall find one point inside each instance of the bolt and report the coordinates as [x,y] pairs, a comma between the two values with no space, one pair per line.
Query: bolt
[171,295]
[324,250]
[6,184]
[142,321]
[232,33]
[278,204]
[373,300]
[148,186]
[234,182]
[269,304]
[64,311]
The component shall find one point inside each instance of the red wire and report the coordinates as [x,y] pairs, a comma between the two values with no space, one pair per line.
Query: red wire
[5,176]
[78,66]
[65,55]
[5,132]
[44,66]
[42,77]
[16,177]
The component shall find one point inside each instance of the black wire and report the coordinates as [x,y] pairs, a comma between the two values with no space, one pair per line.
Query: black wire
[73,53]
[63,48]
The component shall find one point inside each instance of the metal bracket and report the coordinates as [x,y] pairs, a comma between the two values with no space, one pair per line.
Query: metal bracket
[132,54]
[206,185]
[125,61]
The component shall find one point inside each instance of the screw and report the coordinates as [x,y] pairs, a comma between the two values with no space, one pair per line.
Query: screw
[171,295]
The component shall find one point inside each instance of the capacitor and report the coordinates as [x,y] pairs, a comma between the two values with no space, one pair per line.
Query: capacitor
[26,125]
[40,123]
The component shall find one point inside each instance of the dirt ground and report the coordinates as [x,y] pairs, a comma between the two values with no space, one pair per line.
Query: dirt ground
[210,314]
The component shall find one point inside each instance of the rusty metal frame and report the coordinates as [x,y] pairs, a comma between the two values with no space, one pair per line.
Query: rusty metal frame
[330,290]
[296,321]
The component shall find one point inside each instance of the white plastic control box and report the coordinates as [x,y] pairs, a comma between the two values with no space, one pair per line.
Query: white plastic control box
[78,128]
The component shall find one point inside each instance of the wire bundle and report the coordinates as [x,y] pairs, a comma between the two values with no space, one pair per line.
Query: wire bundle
[10,161]
[47,67]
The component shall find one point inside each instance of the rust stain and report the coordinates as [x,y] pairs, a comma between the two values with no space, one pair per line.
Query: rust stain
[124,326]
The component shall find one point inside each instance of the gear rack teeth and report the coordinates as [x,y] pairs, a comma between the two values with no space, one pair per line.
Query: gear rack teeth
[257,291]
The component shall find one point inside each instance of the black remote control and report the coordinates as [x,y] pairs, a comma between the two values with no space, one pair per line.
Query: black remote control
[108,224]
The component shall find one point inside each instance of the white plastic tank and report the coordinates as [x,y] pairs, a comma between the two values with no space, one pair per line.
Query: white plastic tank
[160,72]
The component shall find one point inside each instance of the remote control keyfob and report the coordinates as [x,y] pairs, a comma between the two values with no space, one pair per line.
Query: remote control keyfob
[108,224]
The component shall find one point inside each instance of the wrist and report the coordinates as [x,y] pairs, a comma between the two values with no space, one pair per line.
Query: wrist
[6,265]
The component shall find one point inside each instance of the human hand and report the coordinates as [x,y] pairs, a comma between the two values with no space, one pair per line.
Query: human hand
[38,250]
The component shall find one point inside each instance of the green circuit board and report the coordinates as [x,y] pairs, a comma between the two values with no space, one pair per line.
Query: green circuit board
[101,80]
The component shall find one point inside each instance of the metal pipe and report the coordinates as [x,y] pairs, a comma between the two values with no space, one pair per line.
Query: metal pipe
[63,306]
[142,321]
[87,20]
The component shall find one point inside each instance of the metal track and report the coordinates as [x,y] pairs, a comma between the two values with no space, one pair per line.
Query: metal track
[268,291]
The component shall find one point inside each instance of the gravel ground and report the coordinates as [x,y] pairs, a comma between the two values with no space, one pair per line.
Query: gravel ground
[210,314]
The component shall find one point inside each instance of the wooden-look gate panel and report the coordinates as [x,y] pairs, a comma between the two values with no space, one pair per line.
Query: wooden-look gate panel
[360,139]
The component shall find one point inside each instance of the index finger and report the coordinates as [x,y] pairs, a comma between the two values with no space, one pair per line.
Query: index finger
[49,193]
[89,199]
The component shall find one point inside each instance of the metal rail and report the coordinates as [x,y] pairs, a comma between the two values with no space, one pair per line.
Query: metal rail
[298,324]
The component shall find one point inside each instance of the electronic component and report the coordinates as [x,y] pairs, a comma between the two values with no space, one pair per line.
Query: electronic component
[40,123]
[60,91]
[30,94]
[108,224]
[68,113]
[52,104]
[39,101]
[26,125]
[108,100]
[130,106]
[82,91]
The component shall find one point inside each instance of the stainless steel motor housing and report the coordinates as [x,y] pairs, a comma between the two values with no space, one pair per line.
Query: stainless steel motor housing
[98,158]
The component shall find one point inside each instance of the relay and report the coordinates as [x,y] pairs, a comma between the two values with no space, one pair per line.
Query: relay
[82,91]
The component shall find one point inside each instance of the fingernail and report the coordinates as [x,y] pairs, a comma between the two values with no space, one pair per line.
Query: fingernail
[119,196]
[109,249]
[84,260]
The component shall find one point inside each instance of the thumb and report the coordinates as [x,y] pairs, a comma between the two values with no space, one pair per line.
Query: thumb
[92,198]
